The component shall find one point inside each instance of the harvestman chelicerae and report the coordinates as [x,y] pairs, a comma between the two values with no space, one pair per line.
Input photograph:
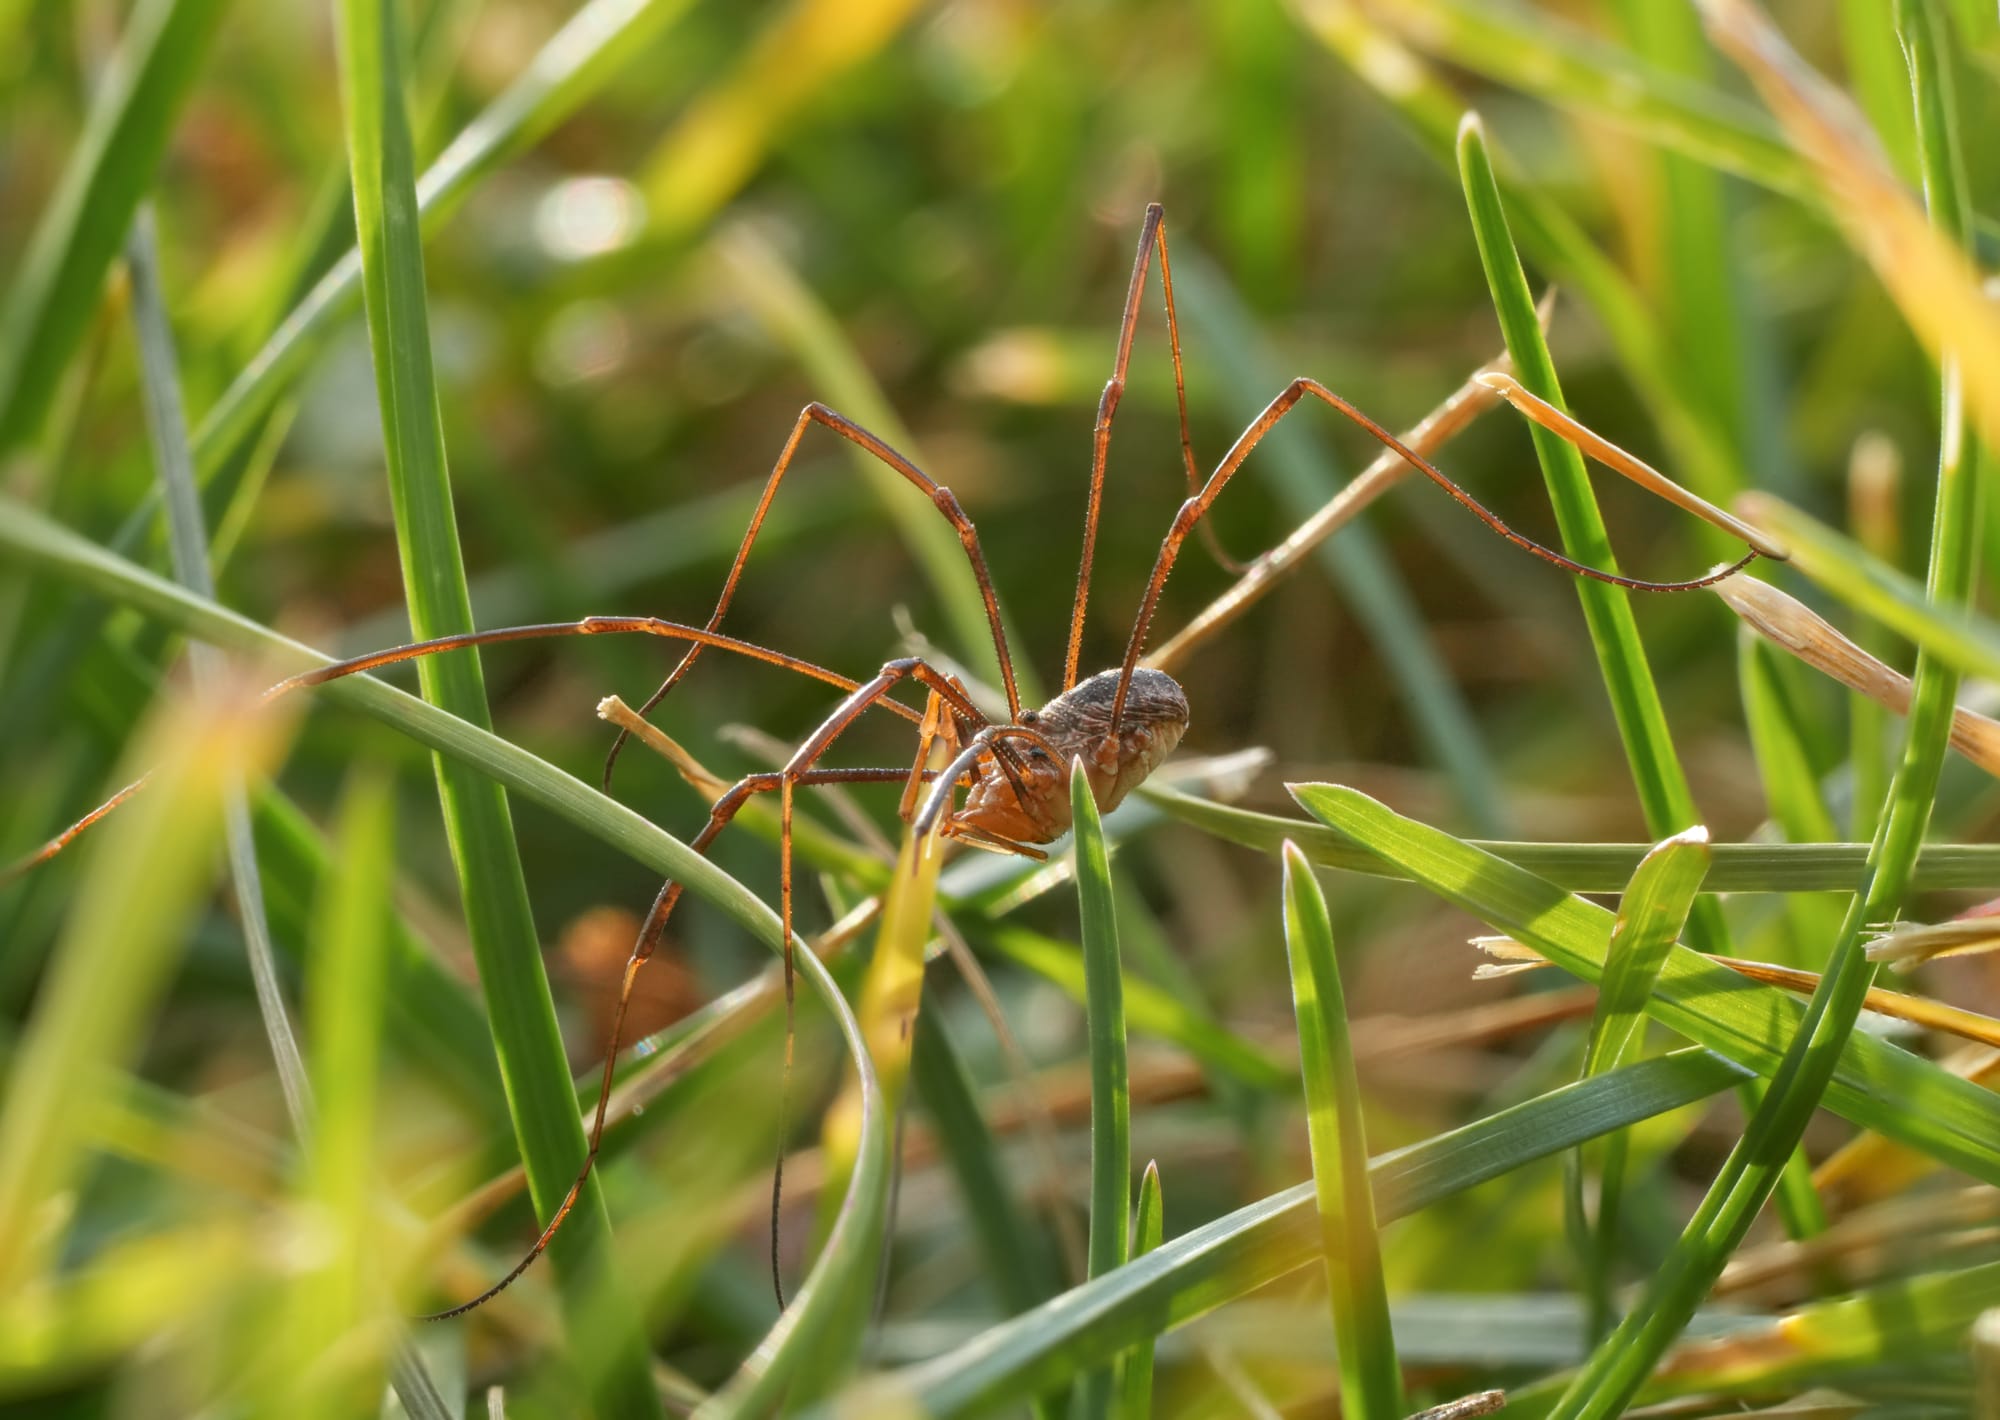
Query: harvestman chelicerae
[1120,723]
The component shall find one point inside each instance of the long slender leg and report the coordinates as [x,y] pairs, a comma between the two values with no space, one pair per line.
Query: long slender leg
[393,655]
[1152,233]
[940,496]
[1195,508]
[651,933]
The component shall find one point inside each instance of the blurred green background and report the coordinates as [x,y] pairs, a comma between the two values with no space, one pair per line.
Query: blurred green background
[924,216]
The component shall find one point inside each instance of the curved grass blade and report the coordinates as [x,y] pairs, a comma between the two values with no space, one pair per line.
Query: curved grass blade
[55,291]
[492,886]
[1628,677]
[1371,1382]
[1590,867]
[1135,1392]
[1875,1084]
[1247,1249]
[1651,914]
[1110,1080]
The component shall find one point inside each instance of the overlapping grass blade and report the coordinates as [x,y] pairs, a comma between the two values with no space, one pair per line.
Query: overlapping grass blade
[1371,1383]
[1247,1249]
[1110,1079]
[492,886]
[1591,867]
[1875,1084]
[1808,1074]
[141,887]
[54,293]
[1651,915]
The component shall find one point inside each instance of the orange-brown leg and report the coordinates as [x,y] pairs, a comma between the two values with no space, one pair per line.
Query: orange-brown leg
[941,498]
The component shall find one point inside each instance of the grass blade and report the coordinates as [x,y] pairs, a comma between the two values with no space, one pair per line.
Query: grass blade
[1148,1229]
[1651,915]
[55,291]
[1371,1382]
[1110,1086]
[1874,1084]
[1607,610]
[1592,867]
[1247,1249]
[1621,1363]
[142,885]
[561,77]
[492,886]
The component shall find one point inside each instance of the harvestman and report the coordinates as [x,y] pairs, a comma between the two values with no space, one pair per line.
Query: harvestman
[1121,723]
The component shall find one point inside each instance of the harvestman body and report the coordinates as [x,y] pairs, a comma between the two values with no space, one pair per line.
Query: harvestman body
[1121,723]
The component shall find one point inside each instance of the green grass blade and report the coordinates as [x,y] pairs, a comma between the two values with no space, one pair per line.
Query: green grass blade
[1249,1248]
[1628,677]
[1110,1084]
[1651,915]
[1433,108]
[492,886]
[54,293]
[346,981]
[1876,1085]
[141,887]
[1371,1382]
[1135,1393]
[562,76]
[1553,60]
[1149,1010]
[1824,1036]
[1791,788]
[1017,1264]
[1591,867]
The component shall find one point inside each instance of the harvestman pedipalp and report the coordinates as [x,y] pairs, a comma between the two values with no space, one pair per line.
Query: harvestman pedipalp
[1121,722]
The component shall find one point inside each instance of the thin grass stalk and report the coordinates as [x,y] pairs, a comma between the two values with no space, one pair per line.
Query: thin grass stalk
[54,293]
[1135,1392]
[1615,1371]
[1110,1081]
[1371,1381]
[492,886]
